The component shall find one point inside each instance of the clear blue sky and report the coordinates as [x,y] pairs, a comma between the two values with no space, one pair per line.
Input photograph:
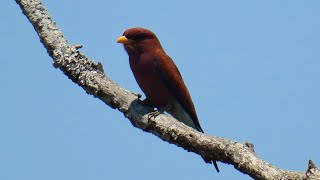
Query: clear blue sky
[252,68]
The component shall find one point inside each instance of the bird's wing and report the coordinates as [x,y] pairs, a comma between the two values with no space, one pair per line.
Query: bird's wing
[172,78]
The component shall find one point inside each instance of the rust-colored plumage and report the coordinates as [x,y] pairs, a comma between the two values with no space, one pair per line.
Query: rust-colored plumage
[159,77]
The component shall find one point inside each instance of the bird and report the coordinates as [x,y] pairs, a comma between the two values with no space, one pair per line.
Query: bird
[159,78]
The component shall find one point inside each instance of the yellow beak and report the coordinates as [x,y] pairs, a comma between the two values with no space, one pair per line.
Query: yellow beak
[124,40]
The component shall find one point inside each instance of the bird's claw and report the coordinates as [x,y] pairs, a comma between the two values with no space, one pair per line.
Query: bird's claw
[159,111]
[154,114]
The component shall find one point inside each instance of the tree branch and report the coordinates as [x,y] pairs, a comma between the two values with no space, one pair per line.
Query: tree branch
[90,76]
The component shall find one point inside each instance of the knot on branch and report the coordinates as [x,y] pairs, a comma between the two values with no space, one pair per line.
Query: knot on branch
[250,146]
[312,171]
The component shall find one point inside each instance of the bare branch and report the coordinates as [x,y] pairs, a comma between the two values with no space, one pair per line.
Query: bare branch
[90,76]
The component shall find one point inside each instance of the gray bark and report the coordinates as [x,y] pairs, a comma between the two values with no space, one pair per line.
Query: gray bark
[90,76]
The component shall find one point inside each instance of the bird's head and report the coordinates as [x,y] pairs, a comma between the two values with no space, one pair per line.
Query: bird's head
[139,40]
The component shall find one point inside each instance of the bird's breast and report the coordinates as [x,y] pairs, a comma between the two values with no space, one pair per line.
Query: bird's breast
[150,80]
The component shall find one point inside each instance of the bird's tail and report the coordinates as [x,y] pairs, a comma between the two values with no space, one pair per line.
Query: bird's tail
[178,112]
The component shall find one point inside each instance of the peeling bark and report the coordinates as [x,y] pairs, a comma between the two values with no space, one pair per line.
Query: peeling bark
[90,76]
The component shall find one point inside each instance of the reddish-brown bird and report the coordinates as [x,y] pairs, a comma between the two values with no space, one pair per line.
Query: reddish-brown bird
[159,77]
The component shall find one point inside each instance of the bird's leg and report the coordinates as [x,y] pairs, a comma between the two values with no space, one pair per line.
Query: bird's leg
[147,102]
[165,108]
[160,110]
[154,113]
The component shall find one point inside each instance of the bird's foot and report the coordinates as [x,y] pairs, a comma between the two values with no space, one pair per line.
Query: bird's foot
[159,111]
[154,114]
